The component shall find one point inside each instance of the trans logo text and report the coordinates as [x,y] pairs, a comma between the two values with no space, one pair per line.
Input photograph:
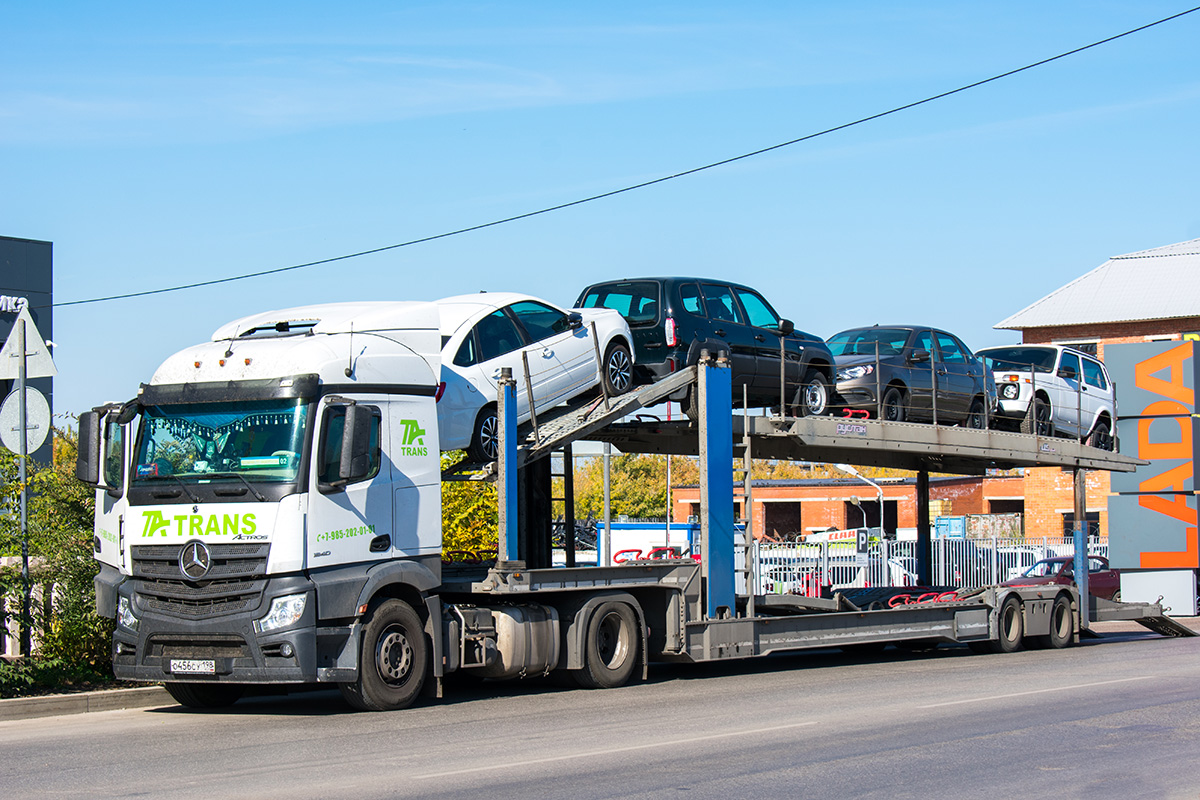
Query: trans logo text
[235,525]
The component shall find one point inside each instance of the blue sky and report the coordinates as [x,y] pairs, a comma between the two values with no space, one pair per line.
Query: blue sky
[157,144]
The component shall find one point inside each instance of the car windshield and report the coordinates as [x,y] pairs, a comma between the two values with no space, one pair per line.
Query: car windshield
[257,440]
[1044,569]
[862,342]
[1020,358]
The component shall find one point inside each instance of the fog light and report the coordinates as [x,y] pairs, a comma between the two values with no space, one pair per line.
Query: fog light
[285,611]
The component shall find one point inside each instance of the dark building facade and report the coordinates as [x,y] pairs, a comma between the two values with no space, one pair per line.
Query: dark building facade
[27,281]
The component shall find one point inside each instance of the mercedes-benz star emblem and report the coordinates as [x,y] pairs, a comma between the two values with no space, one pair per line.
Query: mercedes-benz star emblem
[194,560]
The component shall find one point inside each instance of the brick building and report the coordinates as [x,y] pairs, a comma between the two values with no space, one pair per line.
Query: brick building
[1145,296]
[782,508]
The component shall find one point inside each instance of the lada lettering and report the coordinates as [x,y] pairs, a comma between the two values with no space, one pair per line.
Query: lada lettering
[198,524]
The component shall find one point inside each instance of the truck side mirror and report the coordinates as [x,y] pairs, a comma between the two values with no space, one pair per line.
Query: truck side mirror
[356,444]
[87,457]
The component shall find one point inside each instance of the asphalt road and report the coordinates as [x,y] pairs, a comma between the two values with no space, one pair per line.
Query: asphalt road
[1119,718]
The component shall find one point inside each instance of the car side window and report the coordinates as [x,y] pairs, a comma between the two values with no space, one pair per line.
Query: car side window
[331,444]
[539,320]
[757,310]
[1096,565]
[468,353]
[923,341]
[951,352]
[1093,374]
[1069,366]
[689,298]
[721,306]
[495,335]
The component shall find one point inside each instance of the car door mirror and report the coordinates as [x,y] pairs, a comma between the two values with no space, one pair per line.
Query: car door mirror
[786,326]
[1067,373]
[918,356]
[575,320]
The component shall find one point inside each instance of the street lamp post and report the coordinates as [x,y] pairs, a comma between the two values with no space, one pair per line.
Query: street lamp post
[849,470]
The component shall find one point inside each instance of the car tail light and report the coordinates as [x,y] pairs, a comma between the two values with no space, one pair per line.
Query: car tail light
[672,337]
[441,389]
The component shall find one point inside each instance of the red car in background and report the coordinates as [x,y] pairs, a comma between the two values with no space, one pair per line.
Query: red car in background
[1103,580]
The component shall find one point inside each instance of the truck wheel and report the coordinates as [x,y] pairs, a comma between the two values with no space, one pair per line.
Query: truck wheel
[205,695]
[1011,626]
[485,437]
[1062,624]
[1037,419]
[893,405]
[618,369]
[392,660]
[611,649]
[812,400]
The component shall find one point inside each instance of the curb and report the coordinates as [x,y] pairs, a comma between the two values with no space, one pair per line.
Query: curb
[53,705]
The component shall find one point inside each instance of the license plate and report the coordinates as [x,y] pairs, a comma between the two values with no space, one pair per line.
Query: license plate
[181,666]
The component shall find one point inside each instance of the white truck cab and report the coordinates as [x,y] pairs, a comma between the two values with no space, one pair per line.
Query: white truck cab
[275,475]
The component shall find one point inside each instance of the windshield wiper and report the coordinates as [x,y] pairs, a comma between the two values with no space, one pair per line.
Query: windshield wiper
[257,494]
[182,485]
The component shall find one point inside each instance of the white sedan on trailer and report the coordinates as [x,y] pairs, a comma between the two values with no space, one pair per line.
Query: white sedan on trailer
[482,333]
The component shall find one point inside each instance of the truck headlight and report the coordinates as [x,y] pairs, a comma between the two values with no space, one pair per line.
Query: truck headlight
[125,616]
[285,611]
[854,373]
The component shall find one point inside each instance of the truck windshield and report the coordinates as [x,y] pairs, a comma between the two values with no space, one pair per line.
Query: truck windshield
[1020,359]
[252,440]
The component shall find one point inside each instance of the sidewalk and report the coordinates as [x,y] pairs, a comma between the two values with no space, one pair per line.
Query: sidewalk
[53,705]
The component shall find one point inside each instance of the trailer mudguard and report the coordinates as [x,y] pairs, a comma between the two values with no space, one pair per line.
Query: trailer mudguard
[574,633]
[341,590]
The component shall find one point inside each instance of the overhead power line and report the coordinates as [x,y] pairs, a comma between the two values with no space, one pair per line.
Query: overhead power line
[642,185]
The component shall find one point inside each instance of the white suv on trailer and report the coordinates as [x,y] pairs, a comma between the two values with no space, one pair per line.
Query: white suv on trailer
[1054,390]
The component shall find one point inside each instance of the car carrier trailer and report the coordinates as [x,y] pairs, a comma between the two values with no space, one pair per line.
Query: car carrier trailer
[320,564]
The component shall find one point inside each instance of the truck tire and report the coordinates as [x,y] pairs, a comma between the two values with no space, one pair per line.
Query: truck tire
[205,695]
[618,370]
[392,660]
[485,436]
[1010,626]
[1062,624]
[611,647]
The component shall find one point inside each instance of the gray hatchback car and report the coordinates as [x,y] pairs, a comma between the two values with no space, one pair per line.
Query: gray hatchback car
[911,372]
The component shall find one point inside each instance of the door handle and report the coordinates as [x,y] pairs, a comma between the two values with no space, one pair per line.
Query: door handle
[719,332]
[547,352]
[759,337]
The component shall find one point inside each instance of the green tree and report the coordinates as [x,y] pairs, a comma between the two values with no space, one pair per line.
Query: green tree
[73,640]
[470,519]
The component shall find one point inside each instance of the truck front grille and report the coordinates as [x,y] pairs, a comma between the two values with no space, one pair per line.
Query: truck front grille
[234,583]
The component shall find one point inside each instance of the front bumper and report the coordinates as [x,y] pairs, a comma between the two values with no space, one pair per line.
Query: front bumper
[299,653]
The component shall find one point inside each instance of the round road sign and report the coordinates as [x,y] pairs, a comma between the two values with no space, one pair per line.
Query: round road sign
[37,420]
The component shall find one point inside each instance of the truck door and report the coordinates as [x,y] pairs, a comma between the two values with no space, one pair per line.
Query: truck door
[109,531]
[349,523]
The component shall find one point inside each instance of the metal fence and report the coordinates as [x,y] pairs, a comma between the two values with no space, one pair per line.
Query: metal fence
[797,568]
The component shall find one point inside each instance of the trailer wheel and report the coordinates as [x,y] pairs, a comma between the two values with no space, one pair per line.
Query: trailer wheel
[1062,624]
[392,660]
[618,369]
[485,436]
[611,649]
[205,695]
[1011,626]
